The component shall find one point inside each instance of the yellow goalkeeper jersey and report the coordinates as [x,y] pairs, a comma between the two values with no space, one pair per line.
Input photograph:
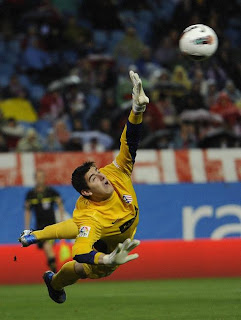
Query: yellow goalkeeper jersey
[102,225]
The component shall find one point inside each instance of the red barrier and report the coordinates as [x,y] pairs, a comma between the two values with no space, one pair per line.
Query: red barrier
[163,166]
[158,259]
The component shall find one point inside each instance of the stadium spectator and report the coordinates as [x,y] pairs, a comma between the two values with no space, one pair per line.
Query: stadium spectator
[165,52]
[14,89]
[51,106]
[212,93]
[93,145]
[13,128]
[62,132]
[154,117]
[77,125]
[74,34]
[146,64]
[232,91]
[34,58]
[180,77]
[73,144]
[217,73]
[105,76]
[199,77]
[36,37]
[131,44]
[3,144]
[30,142]
[75,101]
[227,109]
[193,100]
[167,109]
[84,69]
[12,132]
[107,109]
[185,137]
[51,143]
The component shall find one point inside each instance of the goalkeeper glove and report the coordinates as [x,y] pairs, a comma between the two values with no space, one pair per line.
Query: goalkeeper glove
[120,254]
[138,95]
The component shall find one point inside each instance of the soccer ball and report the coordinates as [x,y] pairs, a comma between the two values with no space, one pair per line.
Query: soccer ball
[198,41]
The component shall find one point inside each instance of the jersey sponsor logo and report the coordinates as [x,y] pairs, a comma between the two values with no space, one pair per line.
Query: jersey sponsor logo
[127,198]
[84,232]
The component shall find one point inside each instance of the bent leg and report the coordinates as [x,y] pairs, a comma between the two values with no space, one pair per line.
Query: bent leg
[72,271]
[69,273]
[62,230]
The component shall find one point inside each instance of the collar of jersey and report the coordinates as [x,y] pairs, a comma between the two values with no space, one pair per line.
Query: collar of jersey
[105,202]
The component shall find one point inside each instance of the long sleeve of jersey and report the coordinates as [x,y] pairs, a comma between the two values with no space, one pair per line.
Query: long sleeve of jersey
[89,233]
[129,143]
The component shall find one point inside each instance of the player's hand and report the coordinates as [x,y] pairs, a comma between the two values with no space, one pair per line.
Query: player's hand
[121,253]
[138,95]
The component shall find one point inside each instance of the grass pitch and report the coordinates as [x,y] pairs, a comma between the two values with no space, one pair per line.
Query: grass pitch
[194,299]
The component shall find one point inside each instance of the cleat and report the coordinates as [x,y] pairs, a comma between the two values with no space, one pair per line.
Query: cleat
[27,238]
[58,296]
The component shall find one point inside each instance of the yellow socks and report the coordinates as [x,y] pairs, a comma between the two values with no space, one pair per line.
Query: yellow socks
[62,230]
[65,277]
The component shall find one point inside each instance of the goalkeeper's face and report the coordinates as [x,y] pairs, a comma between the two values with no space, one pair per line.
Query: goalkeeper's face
[100,188]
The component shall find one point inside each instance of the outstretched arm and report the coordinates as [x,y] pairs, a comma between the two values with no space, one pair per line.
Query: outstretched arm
[132,132]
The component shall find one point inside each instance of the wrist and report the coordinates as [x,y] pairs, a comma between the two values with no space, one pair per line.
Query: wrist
[104,259]
[137,109]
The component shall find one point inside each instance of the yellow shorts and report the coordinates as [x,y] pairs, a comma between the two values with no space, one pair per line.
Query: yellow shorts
[97,271]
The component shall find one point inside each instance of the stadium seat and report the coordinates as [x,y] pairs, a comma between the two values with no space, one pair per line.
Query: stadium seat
[36,92]
[7,69]
[4,80]
[14,46]
[25,81]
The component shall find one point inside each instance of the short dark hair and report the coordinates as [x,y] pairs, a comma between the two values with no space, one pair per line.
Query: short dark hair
[78,176]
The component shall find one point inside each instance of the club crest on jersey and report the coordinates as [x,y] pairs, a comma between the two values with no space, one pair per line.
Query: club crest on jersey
[127,198]
[84,232]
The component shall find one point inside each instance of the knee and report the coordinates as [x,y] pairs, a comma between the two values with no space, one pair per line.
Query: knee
[79,270]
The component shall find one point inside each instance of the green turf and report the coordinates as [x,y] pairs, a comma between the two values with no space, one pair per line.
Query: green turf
[195,299]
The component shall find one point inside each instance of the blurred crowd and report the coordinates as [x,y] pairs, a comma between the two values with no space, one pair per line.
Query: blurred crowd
[64,74]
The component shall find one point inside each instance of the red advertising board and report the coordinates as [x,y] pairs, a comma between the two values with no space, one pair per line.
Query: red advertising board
[151,166]
[158,259]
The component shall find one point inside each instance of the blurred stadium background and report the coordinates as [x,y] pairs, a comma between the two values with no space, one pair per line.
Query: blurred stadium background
[65,94]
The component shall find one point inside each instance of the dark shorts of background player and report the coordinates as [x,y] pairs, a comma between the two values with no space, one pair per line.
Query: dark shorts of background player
[40,244]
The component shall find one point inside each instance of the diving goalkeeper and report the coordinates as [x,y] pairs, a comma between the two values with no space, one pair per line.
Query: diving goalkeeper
[106,214]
